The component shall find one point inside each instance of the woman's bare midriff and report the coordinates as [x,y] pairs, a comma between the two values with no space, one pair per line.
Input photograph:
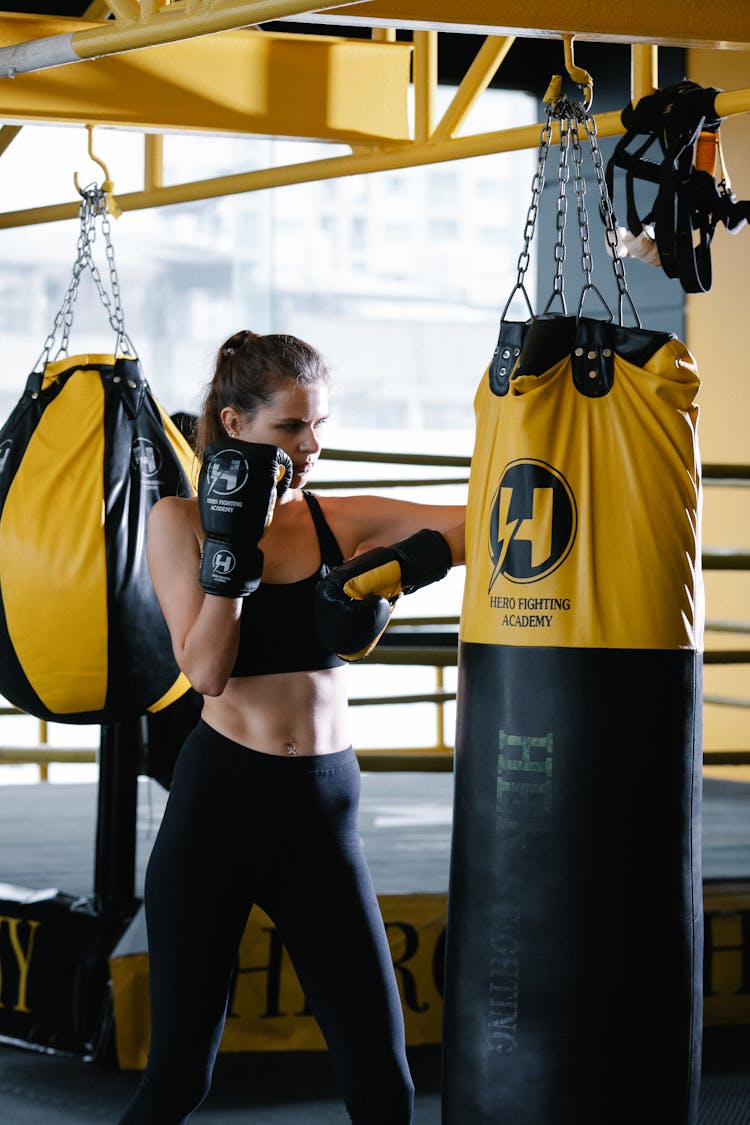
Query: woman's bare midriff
[289,713]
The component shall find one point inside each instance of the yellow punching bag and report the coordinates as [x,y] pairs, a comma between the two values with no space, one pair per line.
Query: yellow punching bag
[84,456]
[573,991]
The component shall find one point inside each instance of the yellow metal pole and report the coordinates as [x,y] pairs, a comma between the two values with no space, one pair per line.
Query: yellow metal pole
[172,23]
[425,83]
[153,161]
[43,740]
[644,70]
[731,102]
[474,82]
[20,755]
[383,34]
[405,156]
[167,24]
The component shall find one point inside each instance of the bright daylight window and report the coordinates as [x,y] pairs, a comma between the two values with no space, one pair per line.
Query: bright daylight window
[397,277]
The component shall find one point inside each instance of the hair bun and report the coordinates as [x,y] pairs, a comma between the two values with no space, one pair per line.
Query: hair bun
[237,341]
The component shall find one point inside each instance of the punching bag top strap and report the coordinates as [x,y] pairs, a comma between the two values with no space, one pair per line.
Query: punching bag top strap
[34,383]
[596,344]
[593,358]
[127,377]
[507,351]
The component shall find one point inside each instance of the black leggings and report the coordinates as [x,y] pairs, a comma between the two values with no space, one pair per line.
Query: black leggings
[241,827]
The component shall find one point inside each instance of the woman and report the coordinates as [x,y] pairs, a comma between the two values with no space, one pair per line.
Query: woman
[263,803]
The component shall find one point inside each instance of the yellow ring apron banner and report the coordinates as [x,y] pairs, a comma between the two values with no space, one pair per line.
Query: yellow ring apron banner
[83,458]
[576,835]
[267,1010]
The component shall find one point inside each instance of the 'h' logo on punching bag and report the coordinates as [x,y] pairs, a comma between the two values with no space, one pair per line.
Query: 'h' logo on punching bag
[533,522]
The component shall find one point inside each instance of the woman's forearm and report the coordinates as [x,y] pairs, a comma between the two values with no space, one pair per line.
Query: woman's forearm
[455,538]
[209,650]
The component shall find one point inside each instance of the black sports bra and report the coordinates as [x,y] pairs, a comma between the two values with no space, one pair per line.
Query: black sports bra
[277,626]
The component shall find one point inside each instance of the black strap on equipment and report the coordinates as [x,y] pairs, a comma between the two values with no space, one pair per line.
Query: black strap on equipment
[689,204]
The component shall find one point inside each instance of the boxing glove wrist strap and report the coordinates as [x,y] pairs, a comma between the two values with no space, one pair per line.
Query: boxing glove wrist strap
[230,570]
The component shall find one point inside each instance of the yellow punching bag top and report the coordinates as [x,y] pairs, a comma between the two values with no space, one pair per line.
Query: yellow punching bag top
[584,508]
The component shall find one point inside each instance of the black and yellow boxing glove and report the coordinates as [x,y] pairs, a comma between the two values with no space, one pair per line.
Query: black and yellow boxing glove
[238,487]
[355,600]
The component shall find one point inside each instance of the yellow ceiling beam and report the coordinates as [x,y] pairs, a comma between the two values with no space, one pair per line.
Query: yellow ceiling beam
[677,23]
[350,91]
[155,24]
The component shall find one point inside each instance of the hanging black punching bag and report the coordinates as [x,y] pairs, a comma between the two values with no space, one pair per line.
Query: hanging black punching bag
[573,991]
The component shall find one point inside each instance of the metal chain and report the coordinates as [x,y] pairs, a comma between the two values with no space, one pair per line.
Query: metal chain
[537,186]
[63,314]
[571,116]
[563,175]
[83,259]
[579,181]
[93,207]
[608,218]
[113,307]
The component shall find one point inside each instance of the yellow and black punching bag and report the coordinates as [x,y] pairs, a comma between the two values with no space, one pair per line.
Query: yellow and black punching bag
[84,456]
[573,991]
[574,949]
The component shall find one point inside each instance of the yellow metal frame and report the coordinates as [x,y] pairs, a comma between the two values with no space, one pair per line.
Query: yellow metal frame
[350,91]
[179,33]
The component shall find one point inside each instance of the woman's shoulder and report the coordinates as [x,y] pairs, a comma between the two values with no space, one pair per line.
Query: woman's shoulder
[174,512]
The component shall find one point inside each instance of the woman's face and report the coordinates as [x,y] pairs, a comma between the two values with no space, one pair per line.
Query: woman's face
[292,421]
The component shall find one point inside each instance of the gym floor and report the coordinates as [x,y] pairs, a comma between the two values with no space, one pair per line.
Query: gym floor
[46,839]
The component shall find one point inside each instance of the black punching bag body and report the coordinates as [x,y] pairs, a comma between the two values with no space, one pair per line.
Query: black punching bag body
[573,990]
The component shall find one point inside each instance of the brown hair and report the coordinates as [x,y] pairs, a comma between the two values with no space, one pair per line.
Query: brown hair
[249,370]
